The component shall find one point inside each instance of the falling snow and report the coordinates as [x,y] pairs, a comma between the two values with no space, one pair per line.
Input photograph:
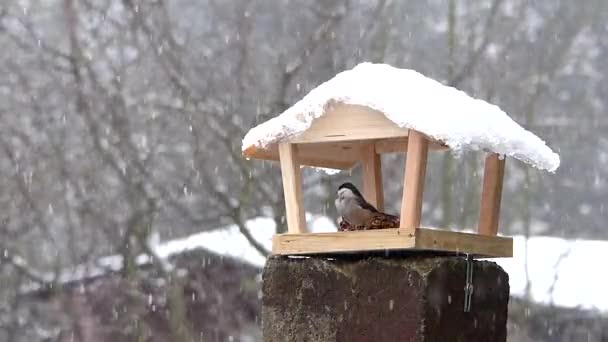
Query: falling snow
[412,100]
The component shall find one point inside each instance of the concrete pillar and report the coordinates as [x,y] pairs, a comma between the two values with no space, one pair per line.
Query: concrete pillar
[382,299]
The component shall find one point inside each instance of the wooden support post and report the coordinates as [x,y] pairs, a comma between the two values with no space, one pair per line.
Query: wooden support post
[292,187]
[491,194]
[415,172]
[372,177]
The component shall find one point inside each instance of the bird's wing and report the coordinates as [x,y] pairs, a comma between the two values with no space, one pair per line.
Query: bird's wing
[382,221]
[363,204]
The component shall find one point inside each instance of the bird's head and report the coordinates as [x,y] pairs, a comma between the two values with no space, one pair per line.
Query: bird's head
[348,190]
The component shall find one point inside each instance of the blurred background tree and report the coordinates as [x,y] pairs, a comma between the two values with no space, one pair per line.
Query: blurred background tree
[124,119]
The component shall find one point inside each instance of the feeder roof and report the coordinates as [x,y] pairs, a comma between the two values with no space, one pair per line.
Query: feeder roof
[410,100]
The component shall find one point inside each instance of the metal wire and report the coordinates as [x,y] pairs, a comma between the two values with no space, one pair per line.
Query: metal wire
[468,287]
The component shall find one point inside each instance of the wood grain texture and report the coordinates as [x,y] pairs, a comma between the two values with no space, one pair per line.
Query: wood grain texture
[372,177]
[292,187]
[422,239]
[415,172]
[334,139]
[345,122]
[479,245]
[335,155]
[491,195]
[353,241]
[399,145]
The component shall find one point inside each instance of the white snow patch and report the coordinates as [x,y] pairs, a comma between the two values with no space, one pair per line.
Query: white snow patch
[227,241]
[230,242]
[412,100]
[562,272]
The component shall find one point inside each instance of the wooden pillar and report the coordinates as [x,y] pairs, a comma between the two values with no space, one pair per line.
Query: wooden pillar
[415,172]
[491,194]
[372,177]
[292,187]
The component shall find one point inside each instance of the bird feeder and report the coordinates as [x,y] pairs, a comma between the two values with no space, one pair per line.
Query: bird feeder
[375,109]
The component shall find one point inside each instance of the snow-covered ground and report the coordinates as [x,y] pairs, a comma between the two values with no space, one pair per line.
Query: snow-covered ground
[230,242]
[560,271]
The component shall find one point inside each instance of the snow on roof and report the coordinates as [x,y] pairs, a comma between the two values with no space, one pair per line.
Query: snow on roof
[412,100]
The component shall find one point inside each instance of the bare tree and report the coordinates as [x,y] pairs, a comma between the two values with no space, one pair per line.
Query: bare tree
[123,119]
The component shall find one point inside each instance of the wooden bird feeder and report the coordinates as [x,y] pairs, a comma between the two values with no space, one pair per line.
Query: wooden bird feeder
[345,134]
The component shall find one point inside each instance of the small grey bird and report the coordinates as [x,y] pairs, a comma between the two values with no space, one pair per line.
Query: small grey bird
[357,213]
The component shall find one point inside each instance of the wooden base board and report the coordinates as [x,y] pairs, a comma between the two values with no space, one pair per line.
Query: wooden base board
[421,239]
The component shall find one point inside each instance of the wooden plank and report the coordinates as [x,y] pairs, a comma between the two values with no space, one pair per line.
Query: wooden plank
[422,239]
[292,187]
[364,240]
[317,161]
[335,155]
[480,245]
[415,172]
[345,122]
[395,145]
[491,194]
[372,177]
[399,145]
[342,155]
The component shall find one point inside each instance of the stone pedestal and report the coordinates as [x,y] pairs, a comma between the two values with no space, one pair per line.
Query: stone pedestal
[382,299]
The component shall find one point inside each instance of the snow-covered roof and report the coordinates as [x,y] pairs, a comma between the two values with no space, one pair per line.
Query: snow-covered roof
[413,101]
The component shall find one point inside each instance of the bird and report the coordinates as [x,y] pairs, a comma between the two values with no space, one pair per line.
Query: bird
[357,213]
